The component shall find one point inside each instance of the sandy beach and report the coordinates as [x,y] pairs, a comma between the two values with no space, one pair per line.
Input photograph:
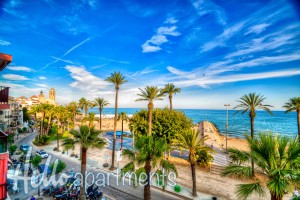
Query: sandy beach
[207,182]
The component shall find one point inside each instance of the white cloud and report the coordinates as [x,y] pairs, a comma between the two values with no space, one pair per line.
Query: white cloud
[212,80]
[19,68]
[170,20]
[85,81]
[149,48]
[4,43]
[257,29]
[159,38]
[220,40]
[204,7]
[168,31]
[76,46]
[42,85]
[42,77]
[14,77]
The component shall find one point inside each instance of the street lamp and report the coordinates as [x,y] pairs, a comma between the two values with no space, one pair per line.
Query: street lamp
[226,105]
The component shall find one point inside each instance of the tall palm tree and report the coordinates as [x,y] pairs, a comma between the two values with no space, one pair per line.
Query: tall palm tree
[117,79]
[100,103]
[294,105]
[91,117]
[192,141]
[87,138]
[251,103]
[150,94]
[277,158]
[49,113]
[123,117]
[84,105]
[58,114]
[43,109]
[171,89]
[72,107]
[147,148]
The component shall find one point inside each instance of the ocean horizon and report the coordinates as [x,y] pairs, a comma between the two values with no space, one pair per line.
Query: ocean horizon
[280,122]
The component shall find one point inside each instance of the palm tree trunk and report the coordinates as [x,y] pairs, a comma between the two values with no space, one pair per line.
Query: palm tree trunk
[57,140]
[193,168]
[274,197]
[83,169]
[49,122]
[252,136]
[100,120]
[150,108]
[170,99]
[147,189]
[298,119]
[42,128]
[115,132]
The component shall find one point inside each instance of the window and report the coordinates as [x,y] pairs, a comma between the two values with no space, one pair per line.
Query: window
[3,145]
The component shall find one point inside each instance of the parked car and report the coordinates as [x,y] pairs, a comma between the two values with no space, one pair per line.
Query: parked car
[24,147]
[42,153]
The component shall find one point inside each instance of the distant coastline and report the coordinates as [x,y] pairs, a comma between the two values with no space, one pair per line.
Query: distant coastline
[238,124]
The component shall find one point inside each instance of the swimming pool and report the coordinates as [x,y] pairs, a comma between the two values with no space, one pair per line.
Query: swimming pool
[118,133]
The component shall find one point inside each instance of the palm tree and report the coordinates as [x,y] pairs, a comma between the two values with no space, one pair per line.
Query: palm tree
[276,158]
[91,117]
[147,148]
[100,103]
[250,103]
[171,89]
[117,79]
[150,94]
[192,141]
[49,113]
[72,108]
[87,138]
[84,105]
[123,117]
[294,105]
[43,109]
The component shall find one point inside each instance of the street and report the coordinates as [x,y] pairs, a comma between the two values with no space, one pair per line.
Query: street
[111,189]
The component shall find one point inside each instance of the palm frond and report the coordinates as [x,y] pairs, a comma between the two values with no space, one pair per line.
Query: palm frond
[245,190]
[238,171]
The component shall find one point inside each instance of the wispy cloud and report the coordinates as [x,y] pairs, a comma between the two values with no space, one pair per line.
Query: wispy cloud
[42,85]
[212,80]
[220,40]
[66,53]
[19,68]
[4,43]
[204,7]
[14,77]
[84,80]
[257,29]
[160,38]
[76,46]
[63,60]
[143,72]
[171,20]
[42,77]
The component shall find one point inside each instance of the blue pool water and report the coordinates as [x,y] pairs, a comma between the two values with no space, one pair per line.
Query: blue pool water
[284,124]
[118,133]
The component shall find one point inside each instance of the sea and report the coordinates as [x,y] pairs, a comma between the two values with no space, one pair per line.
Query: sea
[238,124]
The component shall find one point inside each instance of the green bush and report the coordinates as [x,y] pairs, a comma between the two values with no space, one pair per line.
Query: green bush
[24,129]
[12,149]
[20,130]
[204,158]
[42,140]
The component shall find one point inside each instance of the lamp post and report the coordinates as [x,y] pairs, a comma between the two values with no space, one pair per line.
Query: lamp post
[226,105]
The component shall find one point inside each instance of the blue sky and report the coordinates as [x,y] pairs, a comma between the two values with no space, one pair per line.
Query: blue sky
[214,50]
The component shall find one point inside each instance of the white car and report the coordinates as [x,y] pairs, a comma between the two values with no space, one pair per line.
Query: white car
[42,153]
